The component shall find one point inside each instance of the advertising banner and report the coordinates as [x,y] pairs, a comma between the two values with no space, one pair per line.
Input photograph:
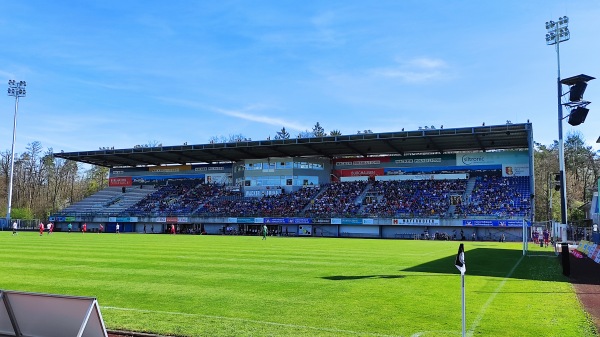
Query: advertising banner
[352,221]
[445,176]
[416,221]
[515,170]
[493,223]
[209,168]
[492,158]
[362,162]
[370,172]
[424,160]
[122,219]
[284,221]
[127,171]
[170,169]
[119,181]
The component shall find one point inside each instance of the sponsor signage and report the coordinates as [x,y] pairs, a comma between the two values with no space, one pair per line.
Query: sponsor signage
[416,221]
[242,220]
[393,176]
[493,223]
[361,162]
[361,172]
[122,219]
[515,170]
[351,221]
[212,168]
[170,169]
[275,221]
[119,181]
[492,158]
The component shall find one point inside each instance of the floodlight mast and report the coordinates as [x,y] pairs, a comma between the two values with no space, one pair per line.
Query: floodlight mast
[559,32]
[15,89]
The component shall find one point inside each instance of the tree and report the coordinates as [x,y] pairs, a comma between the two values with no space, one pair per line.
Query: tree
[582,168]
[319,131]
[283,134]
[232,138]
[305,134]
[335,133]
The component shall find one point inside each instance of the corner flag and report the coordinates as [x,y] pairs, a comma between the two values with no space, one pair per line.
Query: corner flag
[460,260]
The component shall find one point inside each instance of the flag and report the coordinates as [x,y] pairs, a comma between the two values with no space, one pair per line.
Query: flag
[460,260]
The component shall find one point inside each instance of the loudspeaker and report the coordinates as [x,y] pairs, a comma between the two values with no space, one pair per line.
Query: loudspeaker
[578,116]
[577,91]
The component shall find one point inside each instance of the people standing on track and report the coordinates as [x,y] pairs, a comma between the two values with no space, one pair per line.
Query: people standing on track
[41,227]
[48,227]
[14,226]
[117,229]
[84,228]
[100,229]
[264,232]
[70,227]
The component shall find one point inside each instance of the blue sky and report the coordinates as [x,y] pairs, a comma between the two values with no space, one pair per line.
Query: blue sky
[121,73]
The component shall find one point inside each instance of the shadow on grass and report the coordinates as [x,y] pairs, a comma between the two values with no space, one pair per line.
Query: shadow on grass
[491,262]
[541,266]
[360,277]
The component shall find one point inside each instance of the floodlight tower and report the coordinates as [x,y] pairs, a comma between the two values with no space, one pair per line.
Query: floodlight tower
[15,89]
[559,32]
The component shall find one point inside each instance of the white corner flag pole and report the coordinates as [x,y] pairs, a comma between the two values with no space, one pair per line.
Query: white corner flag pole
[460,264]
[464,318]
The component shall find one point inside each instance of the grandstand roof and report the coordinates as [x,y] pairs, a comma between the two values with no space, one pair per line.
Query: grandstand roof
[480,138]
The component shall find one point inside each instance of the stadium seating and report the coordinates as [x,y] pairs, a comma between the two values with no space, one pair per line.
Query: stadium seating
[485,195]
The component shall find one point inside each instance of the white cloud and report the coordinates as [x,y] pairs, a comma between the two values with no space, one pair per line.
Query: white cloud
[415,70]
[245,114]
[252,112]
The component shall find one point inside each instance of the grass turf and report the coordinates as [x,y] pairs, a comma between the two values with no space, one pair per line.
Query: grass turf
[244,286]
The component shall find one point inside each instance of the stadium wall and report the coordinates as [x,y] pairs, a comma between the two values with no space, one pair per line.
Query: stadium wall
[383,228]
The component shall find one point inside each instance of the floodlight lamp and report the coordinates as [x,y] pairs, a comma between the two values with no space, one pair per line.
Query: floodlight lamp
[11,82]
[23,83]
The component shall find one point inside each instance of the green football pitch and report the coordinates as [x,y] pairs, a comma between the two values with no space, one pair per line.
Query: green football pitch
[244,286]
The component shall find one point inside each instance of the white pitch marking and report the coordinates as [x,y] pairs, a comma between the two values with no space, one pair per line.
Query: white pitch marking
[251,321]
[492,296]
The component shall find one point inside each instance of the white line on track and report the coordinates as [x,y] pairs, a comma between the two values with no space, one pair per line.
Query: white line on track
[252,321]
[491,299]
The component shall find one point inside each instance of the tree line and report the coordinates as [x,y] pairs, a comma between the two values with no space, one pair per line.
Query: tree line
[44,184]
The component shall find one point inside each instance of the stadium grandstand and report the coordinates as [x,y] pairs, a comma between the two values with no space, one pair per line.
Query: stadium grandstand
[461,183]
